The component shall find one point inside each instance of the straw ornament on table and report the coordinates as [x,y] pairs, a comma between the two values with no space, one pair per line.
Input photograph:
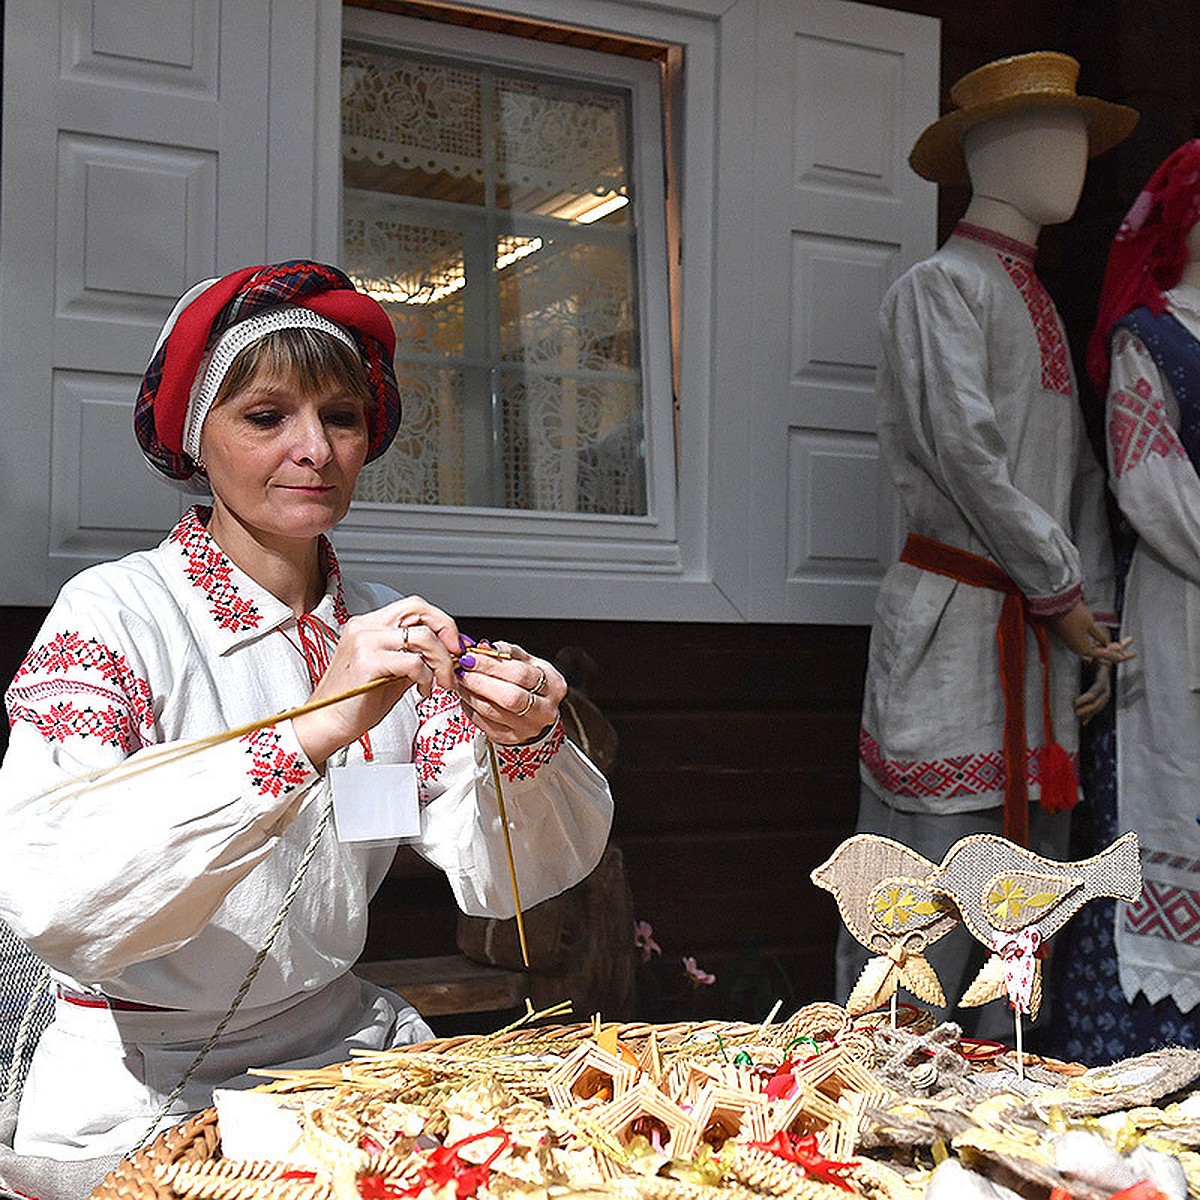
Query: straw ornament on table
[885,903]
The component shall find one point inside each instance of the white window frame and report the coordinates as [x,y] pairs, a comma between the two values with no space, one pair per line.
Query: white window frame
[515,562]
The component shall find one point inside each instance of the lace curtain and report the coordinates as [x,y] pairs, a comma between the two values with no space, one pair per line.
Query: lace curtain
[468,194]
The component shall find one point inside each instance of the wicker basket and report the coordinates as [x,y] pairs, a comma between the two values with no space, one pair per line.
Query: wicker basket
[196,1140]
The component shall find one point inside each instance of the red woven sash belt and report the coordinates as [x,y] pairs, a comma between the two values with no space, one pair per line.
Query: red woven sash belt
[1058,791]
[98,1000]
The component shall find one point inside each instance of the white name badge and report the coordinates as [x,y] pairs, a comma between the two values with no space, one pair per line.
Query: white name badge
[375,801]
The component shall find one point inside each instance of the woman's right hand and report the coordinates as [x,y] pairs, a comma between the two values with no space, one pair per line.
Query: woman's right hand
[409,641]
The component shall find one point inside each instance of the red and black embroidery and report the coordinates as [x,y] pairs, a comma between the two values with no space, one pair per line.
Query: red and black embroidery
[941,778]
[1017,259]
[64,719]
[444,725]
[1163,910]
[208,569]
[1056,371]
[524,762]
[273,770]
[47,688]
[333,575]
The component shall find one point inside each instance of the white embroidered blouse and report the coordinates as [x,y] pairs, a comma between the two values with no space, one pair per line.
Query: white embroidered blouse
[159,890]
[982,435]
[1158,692]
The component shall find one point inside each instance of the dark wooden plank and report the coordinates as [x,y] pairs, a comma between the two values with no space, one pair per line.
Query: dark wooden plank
[449,983]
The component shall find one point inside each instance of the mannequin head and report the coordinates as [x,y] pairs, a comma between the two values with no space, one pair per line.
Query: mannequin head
[1027,169]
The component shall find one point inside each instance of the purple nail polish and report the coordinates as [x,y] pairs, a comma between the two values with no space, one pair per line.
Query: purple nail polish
[465,640]
[466,662]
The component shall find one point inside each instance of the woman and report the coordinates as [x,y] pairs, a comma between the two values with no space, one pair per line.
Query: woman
[1144,359]
[150,897]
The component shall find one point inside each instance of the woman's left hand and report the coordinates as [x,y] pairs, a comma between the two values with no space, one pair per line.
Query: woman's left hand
[513,699]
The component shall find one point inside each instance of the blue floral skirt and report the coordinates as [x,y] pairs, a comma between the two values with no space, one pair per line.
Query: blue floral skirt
[1092,1021]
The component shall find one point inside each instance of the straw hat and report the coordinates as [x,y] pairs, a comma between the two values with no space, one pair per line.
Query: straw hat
[1044,79]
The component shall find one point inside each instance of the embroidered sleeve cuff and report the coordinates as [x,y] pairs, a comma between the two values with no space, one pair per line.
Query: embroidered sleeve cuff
[1104,617]
[1051,606]
[275,764]
[524,762]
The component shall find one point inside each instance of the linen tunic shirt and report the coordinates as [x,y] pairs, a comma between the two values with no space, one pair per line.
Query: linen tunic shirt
[1158,692]
[159,890]
[982,436]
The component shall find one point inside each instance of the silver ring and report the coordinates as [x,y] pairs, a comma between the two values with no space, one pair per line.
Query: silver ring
[528,705]
[539,688]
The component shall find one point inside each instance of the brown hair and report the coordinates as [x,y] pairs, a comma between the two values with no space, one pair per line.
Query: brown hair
[313,358]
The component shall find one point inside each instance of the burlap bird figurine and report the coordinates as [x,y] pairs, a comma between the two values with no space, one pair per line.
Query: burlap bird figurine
[883,895]
[1013,901]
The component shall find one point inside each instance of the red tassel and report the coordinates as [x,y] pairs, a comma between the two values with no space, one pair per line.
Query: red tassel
[1060,792]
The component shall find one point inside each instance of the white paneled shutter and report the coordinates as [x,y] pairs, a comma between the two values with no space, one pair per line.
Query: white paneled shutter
[126,179]
[842,92]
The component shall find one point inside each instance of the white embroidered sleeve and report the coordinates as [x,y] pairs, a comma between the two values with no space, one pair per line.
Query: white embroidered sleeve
[101,875]
[558,805]
[1152,477]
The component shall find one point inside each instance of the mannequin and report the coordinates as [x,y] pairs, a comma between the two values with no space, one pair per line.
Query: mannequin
[1144,360]
[972,694]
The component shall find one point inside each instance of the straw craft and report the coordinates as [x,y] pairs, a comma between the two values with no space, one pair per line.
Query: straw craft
[530,1114]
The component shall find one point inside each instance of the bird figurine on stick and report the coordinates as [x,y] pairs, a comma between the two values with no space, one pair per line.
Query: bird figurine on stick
[886,903]
[1013,900]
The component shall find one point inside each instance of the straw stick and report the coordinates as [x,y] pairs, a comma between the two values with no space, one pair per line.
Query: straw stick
[508,850]
[148,760]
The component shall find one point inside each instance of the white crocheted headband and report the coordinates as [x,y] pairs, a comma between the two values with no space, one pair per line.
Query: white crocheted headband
[219,358]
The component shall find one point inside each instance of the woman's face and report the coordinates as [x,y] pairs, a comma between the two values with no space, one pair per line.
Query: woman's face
[281,461]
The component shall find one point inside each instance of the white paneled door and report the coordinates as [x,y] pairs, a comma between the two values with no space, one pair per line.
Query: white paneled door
[842,92]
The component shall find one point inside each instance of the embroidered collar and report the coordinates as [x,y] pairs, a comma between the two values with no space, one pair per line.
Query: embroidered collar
[998,241]
[238,608]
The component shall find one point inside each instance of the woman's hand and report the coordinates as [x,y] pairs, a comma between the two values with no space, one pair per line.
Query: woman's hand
[513,698]
[1079,630]
[408,641]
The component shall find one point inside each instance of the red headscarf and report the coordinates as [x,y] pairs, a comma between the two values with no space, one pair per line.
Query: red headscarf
[1148,253]
[162,401]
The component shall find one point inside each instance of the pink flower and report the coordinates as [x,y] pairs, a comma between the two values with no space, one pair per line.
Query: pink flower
[643,939]
[699,977]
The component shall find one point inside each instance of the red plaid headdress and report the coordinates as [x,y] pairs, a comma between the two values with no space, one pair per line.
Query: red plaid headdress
[162,403]
[1148,252]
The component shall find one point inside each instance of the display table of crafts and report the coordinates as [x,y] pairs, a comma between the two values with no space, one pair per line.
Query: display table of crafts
[818,1105]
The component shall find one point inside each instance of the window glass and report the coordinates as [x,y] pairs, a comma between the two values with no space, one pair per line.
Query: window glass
[493,213]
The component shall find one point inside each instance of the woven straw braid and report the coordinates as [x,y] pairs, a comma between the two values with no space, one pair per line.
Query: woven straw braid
[196,1140]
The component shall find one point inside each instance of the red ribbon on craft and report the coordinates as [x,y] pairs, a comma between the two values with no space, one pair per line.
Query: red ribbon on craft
[443,1165]
[1145,1190]
[803,1152]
